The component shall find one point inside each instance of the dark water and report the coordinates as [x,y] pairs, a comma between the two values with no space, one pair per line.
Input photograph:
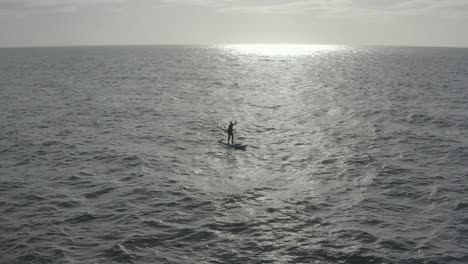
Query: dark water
[356,155]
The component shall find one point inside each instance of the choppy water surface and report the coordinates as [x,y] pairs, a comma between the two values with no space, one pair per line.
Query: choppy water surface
[356,155]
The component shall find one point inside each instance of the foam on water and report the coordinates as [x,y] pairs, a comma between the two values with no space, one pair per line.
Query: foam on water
[356,155]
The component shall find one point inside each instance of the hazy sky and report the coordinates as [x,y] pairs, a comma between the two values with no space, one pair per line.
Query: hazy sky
[117,22]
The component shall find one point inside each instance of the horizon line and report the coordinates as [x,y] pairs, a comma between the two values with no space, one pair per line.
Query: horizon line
[225,44]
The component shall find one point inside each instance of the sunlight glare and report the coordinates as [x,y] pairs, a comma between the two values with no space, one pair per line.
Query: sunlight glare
[281,49]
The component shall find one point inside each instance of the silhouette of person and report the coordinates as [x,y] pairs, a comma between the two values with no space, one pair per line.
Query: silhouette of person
[230,132]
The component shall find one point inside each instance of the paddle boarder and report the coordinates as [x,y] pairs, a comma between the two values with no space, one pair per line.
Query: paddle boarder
[230,132]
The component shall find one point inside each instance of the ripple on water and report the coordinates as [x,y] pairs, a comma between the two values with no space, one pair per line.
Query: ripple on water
[356,155]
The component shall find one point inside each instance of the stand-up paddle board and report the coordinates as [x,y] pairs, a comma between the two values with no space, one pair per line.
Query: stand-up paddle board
[234,146]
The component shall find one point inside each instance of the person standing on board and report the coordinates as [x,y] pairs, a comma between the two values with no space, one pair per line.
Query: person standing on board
[230,132]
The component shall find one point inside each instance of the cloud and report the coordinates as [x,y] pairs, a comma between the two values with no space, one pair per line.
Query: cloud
[51,5]
[337,8]
[304,6]
[265,6]
[333,7]
[432,6]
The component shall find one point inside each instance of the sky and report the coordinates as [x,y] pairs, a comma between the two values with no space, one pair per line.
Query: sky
[148,22]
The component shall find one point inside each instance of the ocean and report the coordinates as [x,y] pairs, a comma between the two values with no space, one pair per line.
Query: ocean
[355,154]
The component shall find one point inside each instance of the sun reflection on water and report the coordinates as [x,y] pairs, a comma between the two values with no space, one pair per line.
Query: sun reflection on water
[281,49]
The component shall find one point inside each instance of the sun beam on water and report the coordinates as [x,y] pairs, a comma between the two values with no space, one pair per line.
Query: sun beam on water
[281,49]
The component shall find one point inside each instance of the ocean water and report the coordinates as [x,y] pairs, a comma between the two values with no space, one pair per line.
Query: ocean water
[355,154]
